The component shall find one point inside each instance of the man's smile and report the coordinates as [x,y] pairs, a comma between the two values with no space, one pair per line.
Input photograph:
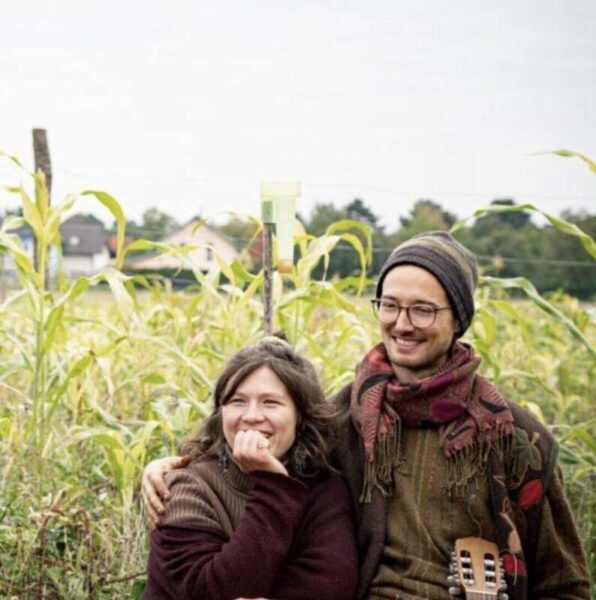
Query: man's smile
[407,342]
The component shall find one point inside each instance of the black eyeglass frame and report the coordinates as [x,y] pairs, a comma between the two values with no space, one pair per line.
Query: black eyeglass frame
[376,306]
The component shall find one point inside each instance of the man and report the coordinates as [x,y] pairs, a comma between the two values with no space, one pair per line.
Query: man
[432,453]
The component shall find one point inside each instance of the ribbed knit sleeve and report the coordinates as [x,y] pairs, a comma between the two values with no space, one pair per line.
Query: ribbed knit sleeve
[195,558]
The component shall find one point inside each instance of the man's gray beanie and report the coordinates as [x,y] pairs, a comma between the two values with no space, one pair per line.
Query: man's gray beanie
[452,264]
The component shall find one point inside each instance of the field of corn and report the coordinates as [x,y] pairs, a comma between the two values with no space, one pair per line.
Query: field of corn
[100,375]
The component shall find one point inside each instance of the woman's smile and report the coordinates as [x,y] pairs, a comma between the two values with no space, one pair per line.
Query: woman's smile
[262,403]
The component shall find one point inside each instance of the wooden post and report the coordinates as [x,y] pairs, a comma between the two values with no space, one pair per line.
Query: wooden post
[268,218]
[268,278]
[41,153]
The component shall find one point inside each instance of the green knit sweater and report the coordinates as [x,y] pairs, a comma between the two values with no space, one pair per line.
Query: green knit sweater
[416,554]
[405,539]
[418,543]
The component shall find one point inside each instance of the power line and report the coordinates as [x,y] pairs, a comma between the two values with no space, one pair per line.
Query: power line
[488,257]
[344,247]
[539,261]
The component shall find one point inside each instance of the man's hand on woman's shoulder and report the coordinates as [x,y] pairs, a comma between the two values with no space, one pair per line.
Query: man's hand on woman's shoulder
[153,486]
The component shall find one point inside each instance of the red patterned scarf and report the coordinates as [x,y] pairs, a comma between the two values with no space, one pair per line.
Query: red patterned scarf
[469,412]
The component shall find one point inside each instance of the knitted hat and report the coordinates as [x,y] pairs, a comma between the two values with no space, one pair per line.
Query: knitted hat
[452,264]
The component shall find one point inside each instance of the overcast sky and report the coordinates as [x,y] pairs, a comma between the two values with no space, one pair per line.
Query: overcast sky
[187,106]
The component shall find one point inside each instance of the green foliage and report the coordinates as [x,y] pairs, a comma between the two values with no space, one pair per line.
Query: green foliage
[358,211]
[95,381]
[570,154]
[154,226]
[343,262]
[425,215]
[239,231]
[557,255]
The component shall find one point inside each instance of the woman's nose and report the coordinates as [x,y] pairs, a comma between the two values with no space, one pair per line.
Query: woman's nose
[253,412]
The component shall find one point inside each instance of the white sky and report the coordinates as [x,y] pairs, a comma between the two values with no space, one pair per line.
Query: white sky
[189,105]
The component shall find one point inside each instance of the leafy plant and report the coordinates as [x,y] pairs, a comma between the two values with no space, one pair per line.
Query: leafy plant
[100,375]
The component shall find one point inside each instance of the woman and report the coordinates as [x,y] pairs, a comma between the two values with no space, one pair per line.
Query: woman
[258,512]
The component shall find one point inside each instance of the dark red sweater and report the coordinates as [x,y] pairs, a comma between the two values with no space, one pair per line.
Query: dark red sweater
[230,535]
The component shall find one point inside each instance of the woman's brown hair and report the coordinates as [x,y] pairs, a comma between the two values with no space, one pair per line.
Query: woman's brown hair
[309,453]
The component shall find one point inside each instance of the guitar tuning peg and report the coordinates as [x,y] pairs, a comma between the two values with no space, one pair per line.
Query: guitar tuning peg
[453,580]
[455,591]
[451,568]
[503,596]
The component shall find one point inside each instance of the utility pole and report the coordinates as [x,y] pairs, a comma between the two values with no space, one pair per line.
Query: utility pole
[41,152]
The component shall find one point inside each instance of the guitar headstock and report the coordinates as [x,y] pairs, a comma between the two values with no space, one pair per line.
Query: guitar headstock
[475,571]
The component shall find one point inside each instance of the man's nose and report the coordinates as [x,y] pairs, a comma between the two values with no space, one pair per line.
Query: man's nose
[403,321]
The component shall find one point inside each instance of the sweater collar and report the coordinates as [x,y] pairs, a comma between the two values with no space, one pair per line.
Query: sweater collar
[234,475]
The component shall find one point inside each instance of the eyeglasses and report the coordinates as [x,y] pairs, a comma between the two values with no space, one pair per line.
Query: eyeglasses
[420,315]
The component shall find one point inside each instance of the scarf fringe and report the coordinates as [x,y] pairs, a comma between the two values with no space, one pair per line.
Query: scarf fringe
[467,464]
[378,473]
[464,466]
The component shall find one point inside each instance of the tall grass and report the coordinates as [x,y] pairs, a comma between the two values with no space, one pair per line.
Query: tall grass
[100,375]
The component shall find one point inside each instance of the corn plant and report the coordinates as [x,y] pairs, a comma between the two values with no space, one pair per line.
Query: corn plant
[100,375]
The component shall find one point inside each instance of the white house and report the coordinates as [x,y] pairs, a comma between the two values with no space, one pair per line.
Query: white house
[84,247]
[194,233]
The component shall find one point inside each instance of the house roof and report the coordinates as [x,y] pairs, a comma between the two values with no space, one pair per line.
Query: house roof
[24,231]
[82,235]
[196,231]
[203,237]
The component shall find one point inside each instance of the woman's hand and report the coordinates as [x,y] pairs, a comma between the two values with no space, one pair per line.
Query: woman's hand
[251,452]
[153,486]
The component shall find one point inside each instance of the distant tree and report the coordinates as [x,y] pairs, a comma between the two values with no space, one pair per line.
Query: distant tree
[159,223]
[567,265]
[510,220]
[238,231]
[425,215]
[154,226]
[344,261]
[324,214]
[429,212]
[358,211]
[508,243]
[241,233]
